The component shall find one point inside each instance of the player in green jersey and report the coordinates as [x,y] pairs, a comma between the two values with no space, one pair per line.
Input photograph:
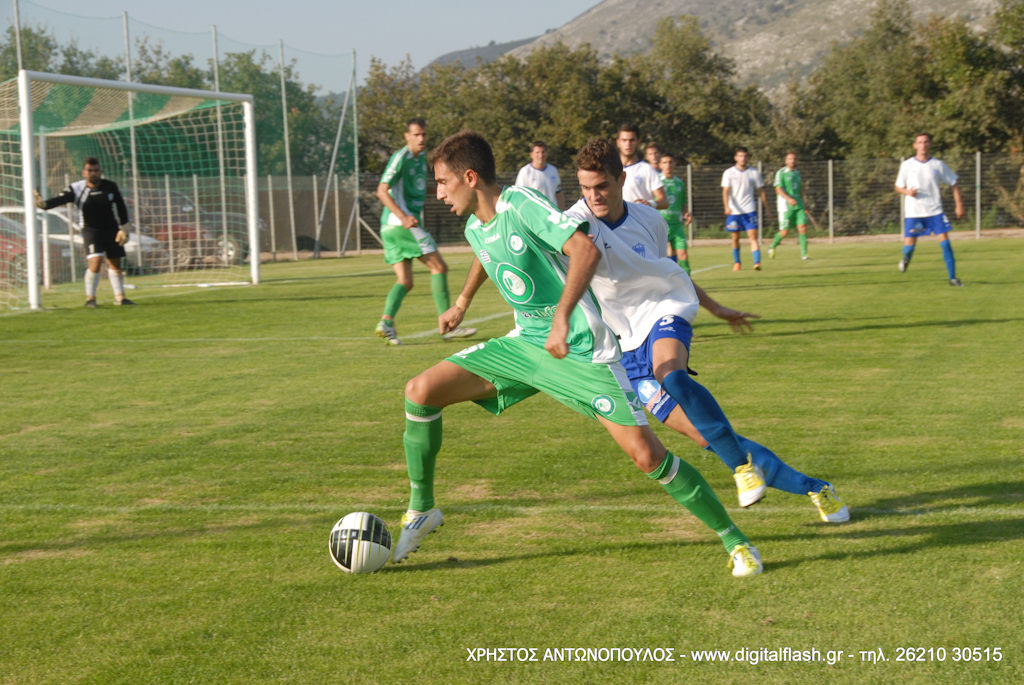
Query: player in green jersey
[402,190]
[676,215]
[560,345]
[788,187]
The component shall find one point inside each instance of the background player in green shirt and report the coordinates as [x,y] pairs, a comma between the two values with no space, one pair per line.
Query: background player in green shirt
[560,345]
[788,187]
[402,190]
[676,215]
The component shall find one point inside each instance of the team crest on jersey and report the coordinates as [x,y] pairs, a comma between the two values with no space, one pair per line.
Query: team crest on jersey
[485,257]
[516,244]
[515,283]
[640,249]
[603,404]
[421,183]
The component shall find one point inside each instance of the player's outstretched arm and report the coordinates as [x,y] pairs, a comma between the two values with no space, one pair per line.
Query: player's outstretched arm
[583,259]
[451,319]
[738,321]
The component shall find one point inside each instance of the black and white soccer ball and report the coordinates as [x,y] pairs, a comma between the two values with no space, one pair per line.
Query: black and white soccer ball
[360,543]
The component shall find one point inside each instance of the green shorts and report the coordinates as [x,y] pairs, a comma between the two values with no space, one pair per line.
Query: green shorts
[676,235]
[519,369]
[793,217]
[405,243]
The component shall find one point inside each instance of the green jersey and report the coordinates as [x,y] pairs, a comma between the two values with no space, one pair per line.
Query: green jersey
[675,192]
[791,183]
[519,250]
[406,177]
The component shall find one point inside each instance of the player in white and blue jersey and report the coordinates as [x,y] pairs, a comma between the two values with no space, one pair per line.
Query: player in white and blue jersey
[919,181]
[740,185]
[651,303]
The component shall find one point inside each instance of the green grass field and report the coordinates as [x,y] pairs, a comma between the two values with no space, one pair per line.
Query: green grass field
[169,475]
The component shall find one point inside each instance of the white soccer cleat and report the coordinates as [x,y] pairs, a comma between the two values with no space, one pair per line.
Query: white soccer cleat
[830,507]
[750,485]
[745,561]
[415,526]
[386,329]
[459,332]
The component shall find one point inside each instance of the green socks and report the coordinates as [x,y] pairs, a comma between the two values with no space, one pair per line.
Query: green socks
[776,240]
[422,442]
[686,486]
[802,238]
[394,300]
[439,288]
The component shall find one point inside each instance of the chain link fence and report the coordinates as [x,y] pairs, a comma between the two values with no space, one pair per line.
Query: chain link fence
[847,197]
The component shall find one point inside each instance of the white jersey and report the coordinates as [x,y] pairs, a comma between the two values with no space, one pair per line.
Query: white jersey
[634,283]
[926,177]
[742,187]
[641,181]
[546,180]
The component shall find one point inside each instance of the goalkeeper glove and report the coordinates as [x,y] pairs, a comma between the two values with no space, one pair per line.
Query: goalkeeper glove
[121,237]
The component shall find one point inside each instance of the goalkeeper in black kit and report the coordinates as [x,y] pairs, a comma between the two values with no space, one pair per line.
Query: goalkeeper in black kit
[104,214]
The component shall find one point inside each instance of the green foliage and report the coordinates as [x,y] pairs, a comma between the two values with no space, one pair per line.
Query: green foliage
[872,94]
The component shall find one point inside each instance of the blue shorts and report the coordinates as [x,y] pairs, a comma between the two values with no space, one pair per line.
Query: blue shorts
[926,225]
[639,365]
[741,222]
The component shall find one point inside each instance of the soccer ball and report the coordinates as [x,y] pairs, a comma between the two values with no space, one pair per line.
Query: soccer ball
[360,543]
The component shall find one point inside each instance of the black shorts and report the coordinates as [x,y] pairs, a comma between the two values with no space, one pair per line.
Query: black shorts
[99,242]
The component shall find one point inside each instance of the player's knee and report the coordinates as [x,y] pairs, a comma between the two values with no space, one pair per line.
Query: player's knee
[418,390]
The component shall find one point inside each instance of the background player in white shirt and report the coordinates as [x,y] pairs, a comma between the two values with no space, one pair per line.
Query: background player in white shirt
[540,175]
[740,185]
[643,182]
[919,182]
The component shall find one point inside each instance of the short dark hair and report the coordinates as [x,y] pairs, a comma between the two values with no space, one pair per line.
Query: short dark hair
[419,121]
[923,133]
[663,155]
[631,127]
[90,161]
[463,151]
[740,148]
[538,143]
[599,154]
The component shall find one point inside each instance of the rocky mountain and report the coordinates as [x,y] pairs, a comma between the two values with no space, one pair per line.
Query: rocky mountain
[771,41]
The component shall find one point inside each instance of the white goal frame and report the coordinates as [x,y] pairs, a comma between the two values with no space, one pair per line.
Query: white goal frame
[28,158]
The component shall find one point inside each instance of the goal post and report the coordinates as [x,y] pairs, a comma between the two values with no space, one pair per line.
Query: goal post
[189,180]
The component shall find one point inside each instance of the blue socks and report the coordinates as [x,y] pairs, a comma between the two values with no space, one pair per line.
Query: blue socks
[757,256]
[777,473]
[947,254]
[908,252]
[705,414]
[736,255]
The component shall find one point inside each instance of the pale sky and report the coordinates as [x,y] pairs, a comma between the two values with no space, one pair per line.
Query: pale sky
[388,30]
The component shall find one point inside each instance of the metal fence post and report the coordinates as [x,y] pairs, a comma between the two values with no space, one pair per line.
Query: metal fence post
[831,204]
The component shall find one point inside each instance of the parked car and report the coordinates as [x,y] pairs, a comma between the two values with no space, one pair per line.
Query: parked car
[14,255]
[190,236]
[63,232]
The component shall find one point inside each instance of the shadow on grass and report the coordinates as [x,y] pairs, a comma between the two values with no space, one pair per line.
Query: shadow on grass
[925,538]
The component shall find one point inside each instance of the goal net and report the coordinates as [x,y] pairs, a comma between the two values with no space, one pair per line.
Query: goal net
[183,159]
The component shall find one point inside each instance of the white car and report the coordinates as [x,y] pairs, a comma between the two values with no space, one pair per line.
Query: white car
[60,229]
